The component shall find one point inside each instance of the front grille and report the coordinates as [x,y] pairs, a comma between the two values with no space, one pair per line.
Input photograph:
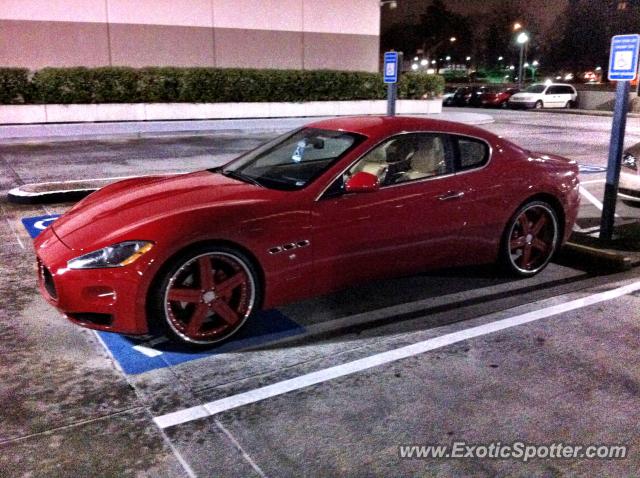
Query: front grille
[47,281]
[629,192]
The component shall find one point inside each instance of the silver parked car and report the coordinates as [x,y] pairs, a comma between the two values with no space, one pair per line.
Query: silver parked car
[629,187]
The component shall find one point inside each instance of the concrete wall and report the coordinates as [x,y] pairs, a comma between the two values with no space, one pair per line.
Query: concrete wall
[309,34]
[32,114]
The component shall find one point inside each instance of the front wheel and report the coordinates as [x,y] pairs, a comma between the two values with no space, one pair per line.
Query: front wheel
[530,239]
[205,296]
[538,105]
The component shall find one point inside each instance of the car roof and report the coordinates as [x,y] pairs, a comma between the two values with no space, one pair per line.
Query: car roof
[383,126]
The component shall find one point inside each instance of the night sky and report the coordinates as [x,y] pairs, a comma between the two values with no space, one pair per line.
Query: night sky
[408,11]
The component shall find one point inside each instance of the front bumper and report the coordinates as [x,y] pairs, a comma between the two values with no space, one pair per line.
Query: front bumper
[629,187]
[110,299]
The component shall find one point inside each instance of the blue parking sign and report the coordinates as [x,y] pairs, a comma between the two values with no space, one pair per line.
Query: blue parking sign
[623,61]
[391,67]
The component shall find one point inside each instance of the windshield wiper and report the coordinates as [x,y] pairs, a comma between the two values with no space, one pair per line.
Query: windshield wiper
[240,177]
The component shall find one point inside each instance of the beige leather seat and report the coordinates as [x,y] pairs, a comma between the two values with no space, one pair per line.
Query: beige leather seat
[428,160]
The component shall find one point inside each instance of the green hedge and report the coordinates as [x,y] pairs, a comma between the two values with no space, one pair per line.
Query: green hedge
[14,85]
[202,85]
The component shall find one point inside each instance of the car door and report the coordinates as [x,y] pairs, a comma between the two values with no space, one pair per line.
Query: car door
[484,205]
[553,97]
[395,229]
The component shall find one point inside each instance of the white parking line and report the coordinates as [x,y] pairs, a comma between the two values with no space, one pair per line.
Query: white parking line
[592,199]
[252,396]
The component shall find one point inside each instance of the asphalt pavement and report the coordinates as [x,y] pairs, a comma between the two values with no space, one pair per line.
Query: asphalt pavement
[452,355]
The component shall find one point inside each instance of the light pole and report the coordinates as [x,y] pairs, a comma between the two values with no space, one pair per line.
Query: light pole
[534,67]
[522,40]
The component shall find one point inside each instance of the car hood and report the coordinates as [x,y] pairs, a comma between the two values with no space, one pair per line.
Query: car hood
[111,212]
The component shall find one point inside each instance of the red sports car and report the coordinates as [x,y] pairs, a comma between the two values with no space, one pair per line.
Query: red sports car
[328,205]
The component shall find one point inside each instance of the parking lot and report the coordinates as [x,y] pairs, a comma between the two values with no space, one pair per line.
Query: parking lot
[335,385]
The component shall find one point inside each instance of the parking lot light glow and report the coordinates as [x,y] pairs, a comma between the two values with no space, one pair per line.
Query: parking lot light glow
[517,26]
[535,63]
[500,58]
[598,68]
[548,81]
[511,67]
[433,62]
[448,58]
[468,58]
[414,66]
[452,39]
[522,38]
[424,61]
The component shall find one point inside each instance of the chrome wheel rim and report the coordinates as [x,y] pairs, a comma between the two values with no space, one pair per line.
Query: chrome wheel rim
[209,297]
[532,239]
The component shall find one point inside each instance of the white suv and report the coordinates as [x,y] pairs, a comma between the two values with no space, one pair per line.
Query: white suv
[542,95]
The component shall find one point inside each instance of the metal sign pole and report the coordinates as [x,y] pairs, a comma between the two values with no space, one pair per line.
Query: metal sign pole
[616,145]
[390,75]
[623,68]
[392,93]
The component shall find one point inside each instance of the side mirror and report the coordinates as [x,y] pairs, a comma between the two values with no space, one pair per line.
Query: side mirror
[362,182]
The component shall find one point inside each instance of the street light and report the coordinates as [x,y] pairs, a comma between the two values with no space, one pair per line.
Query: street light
[517,26]
[522,40]
[452,39]
[468,58]
[424,62]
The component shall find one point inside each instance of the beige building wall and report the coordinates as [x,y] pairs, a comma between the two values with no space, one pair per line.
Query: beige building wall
[309,34]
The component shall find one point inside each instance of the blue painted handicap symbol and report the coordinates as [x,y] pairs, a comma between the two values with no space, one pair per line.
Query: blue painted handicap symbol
[587,169]
[135,356]
[35,225]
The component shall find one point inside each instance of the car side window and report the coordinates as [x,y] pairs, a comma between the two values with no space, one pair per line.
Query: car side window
[405,158]
[471,153]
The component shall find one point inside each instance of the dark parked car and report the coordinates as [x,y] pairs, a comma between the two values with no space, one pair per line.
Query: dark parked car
[464,95]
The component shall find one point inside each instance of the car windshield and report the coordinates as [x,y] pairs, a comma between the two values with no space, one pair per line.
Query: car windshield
[535,89]
[292,161]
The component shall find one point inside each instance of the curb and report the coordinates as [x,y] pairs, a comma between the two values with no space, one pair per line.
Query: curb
[598,259]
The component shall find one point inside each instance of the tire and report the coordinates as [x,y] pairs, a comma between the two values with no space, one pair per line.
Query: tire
[205,296]
[539,105]
[631,203]
[569,105]
[530,239]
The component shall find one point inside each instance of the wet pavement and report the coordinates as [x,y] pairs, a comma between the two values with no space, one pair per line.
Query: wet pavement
[571,376]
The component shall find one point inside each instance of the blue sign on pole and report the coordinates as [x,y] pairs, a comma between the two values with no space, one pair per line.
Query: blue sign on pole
[623,61]
[391,67]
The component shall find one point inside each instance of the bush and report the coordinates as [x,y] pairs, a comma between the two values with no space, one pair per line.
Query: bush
[215,85]
[62,85]
[14,85]
[414,86]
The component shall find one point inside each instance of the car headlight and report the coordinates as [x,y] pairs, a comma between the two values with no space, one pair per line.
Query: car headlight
[117,255]
[630,162]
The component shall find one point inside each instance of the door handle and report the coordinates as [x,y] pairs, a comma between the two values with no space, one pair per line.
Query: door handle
[451,195]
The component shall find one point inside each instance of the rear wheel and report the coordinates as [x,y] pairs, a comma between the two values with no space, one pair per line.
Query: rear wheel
[569,105]
[538,105]
[530,239]
[206,296]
